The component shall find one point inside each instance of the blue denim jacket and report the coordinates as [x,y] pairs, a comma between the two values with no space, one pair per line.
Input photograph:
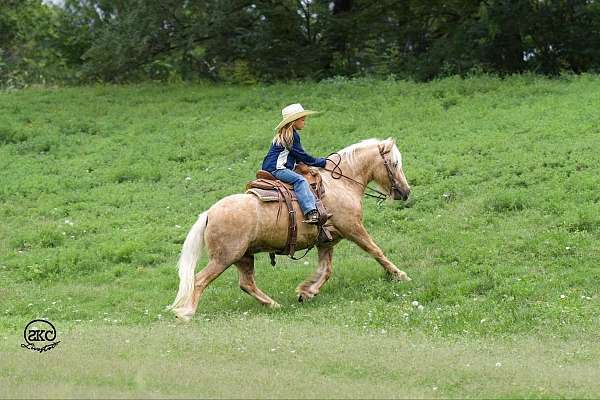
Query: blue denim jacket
[278,157]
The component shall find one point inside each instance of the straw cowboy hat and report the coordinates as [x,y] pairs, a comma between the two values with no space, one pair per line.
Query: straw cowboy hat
[292,113]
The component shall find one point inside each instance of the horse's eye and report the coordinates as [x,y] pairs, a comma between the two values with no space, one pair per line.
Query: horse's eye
[396,164]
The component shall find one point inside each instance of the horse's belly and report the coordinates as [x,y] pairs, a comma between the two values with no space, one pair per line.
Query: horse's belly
[273,226]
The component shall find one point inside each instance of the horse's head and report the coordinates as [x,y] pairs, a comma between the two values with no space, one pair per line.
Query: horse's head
[387,171]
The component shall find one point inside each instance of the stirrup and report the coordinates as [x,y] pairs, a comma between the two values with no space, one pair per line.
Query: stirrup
[313,219]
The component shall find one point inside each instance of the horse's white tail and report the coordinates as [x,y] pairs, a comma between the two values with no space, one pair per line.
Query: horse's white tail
[192,250]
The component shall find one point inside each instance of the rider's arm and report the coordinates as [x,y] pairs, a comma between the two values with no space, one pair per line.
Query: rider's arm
[302,156]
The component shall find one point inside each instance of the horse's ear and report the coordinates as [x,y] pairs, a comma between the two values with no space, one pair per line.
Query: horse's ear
[388,144]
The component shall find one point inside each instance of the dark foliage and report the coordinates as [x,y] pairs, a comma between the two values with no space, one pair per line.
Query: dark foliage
[246,41]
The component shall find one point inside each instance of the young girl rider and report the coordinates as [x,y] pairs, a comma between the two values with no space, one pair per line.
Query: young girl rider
[285,151]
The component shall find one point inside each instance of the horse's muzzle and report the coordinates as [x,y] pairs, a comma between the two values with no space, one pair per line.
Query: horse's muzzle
[401,195]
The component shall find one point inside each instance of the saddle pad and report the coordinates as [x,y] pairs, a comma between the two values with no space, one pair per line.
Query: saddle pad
[268,195]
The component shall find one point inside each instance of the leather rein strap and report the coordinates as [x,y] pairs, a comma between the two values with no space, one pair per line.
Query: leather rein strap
[336,173]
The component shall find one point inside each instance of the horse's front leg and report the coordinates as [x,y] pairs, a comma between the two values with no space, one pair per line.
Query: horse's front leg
[310,287]
[361,237]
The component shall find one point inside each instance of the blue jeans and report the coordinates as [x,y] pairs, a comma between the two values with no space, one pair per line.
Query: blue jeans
[305,197]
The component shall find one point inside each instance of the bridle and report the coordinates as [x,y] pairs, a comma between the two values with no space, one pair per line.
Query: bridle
[336,173]
[393,185]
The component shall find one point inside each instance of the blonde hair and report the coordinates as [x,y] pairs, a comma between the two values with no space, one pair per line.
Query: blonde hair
[285,136]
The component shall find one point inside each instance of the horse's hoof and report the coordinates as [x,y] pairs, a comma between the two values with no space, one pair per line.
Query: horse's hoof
[400,277]
[304,296]
[183,318]
[183,314]
[274,305]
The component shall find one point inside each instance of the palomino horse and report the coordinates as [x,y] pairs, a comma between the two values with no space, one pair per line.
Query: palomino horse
[240,225]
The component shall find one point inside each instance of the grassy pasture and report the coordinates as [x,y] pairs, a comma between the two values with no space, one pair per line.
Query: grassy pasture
[99,185]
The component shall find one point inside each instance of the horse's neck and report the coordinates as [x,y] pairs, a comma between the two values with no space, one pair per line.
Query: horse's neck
[361,168]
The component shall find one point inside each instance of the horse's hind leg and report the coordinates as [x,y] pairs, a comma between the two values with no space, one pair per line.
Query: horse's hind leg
[202,279]
[245,268]
[310,287]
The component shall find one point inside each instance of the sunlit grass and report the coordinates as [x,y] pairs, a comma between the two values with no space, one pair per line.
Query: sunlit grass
[258,356]
[99,186]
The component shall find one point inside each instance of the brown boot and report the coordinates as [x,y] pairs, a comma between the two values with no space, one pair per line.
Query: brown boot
[312,217]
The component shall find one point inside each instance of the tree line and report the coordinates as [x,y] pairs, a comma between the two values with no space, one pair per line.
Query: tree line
[78,41]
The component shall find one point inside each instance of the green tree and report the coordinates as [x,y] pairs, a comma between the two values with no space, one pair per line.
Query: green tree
[28,36]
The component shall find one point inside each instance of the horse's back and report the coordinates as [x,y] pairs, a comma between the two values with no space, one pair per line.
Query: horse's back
[242,220]
[236,210]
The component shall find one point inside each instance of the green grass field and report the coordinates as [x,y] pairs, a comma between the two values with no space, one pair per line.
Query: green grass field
[99,186]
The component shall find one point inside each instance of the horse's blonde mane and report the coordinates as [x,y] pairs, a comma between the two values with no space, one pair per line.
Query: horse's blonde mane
[348,153]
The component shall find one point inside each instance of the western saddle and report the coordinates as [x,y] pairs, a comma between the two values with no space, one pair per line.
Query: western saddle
[268,189]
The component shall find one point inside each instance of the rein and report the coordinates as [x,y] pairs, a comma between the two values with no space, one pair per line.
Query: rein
[336,173]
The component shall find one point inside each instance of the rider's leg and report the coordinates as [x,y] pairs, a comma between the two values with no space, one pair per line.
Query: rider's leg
[306,199]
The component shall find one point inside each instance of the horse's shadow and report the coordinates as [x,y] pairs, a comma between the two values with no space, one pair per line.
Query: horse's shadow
[340,289]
